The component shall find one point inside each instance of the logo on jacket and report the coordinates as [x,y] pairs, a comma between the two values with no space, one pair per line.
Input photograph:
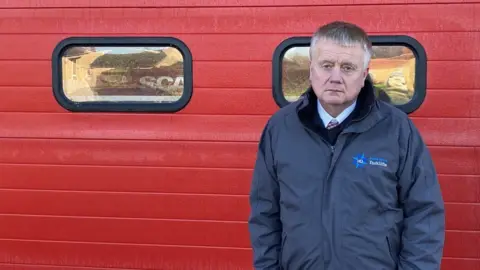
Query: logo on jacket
[361,161]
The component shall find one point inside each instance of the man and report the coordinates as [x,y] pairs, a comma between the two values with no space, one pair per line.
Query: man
[342,180]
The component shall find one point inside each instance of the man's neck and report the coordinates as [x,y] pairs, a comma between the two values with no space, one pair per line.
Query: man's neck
[335,110]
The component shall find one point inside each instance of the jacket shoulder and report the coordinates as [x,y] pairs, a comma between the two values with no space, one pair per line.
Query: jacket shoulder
[283,115]
[397,115]
[403,124]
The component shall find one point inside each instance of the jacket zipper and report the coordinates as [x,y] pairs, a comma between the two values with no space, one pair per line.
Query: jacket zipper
[329,172]
[333,161]
[333,147]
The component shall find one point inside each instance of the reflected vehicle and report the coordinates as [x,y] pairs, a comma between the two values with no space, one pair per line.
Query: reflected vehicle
[153,74]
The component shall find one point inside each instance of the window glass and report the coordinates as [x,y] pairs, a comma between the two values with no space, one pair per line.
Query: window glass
[392,70]
[122,74]
[118,74]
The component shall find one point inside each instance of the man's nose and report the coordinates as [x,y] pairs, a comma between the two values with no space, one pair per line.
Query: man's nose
[336,75]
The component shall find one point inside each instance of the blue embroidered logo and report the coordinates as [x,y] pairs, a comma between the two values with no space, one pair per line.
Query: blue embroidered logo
[361,161]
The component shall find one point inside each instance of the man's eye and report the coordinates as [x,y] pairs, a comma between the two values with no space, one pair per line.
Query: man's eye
[348,68]
[327,66]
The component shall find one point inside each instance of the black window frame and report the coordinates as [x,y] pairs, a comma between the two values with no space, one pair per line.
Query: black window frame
[107,106]
[377,40]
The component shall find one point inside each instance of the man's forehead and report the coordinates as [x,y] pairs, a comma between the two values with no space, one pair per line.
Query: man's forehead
[334,51]
[338,45]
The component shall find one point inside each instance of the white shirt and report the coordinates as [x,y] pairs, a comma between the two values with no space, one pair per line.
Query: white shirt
[326,118]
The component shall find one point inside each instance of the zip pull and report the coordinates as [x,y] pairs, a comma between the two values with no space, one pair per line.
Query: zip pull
[332,147]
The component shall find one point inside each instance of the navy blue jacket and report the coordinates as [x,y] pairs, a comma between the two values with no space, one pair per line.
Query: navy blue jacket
[370,201]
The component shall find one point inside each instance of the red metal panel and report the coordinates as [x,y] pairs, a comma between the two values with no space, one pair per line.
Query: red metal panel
[170,206]
[244,47]
[464,133]
[133,127]
[455,160]
[475,112]
[449,160]
[204,101]
[131,231]
[219,74]
[40,99]
[51,267]
[460,188]
[453,75]
[449,103]
[231,101]
[477,158]
[458,219]
[196,128]
[439,45]
[457,188]
[476,8]
[145,257]
[123,255]
[25,73]
[178,233]
[28,47]
[208,47]
[460,263]
[126,205]
[232,47]
[129,153]
[127,179]
[462,244]
[203,3]
[388,18]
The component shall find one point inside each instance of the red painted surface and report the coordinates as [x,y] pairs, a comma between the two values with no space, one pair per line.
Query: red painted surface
[205,3]
[245,47]
[170,191]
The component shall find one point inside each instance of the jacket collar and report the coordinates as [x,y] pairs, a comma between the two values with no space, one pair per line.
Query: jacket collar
[326,117]
[365,115]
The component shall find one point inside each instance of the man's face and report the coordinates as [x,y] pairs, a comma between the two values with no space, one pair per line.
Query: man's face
[337,73]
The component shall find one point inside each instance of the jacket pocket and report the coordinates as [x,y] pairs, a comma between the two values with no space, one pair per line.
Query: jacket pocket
[392,250]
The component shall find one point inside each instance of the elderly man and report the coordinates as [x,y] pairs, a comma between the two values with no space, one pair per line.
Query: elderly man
[343,180]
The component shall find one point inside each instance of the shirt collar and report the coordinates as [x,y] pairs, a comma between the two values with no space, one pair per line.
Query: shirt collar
[326,118]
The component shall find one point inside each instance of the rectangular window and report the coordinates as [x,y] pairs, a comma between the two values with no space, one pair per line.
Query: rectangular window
[122,74]
[397,70]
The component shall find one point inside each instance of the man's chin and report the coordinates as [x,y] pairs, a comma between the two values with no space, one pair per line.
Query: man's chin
[333,101]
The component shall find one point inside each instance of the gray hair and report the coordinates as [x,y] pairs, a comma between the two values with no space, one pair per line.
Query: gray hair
[345,34]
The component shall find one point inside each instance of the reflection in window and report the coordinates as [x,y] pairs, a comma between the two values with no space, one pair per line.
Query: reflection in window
[392,70]
[123,74]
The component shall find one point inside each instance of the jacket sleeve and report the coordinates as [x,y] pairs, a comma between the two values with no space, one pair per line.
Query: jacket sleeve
[420,195]
[264,221]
